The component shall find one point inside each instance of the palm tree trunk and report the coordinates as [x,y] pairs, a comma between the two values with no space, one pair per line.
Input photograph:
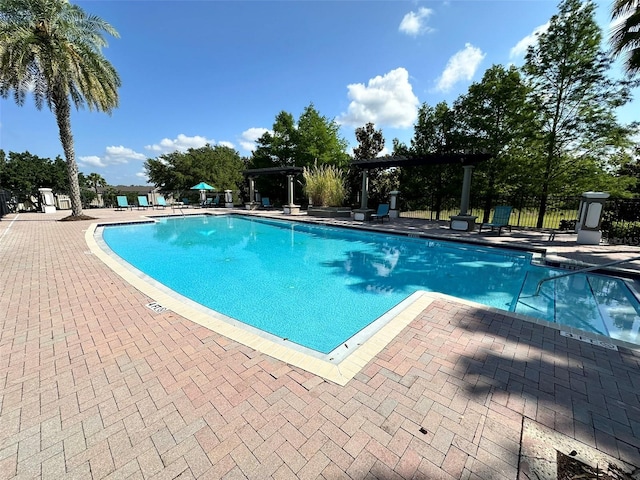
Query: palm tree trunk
[63,117]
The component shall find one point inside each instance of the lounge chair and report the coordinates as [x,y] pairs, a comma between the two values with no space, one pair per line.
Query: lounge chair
[185,203]
[123,203]
[500,220]
[266,203]
[383,211]
[160,202]
[142,202]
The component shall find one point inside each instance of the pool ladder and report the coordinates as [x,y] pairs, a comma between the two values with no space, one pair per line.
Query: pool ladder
[582,270]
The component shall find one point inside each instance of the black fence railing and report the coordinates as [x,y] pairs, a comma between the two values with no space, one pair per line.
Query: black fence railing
[561,212]
[620,217]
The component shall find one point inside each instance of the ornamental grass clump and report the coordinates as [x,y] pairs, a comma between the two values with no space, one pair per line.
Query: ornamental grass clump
[324,185]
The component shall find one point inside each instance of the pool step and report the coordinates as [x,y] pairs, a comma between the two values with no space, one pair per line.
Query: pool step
[591,303]
[618,307]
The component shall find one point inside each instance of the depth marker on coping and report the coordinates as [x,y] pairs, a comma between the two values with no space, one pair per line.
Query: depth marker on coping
[592,341]
[156,307]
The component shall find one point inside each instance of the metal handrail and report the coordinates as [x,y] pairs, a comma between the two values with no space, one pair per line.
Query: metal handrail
[582,270]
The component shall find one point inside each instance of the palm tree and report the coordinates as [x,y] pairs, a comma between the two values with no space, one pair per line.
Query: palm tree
[54,50]
[96,180]
[625,36]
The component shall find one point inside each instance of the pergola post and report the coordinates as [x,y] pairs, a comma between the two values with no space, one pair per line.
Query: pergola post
[466,189]
[363,213]
[251,204]
[290,208]
[463,221]
[364,199]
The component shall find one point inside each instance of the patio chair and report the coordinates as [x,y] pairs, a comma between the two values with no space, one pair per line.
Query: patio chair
[142,202]
[185,203]
[123,203]
[160,202]
[383,211]
[266,203]
[500,220]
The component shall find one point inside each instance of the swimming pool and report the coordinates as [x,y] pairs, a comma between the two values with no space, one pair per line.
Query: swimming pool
[317,286]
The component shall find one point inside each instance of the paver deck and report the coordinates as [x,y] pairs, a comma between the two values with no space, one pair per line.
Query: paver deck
[93,384]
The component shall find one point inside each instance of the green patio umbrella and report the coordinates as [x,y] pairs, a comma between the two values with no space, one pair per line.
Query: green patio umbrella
[203,187]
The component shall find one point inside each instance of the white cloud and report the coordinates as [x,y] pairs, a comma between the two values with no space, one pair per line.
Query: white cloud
[520,49]
[182,143]
[413,23]
[249,137]
[92,160]
[120,154]
[386,100]
[227,144]
[114,155]
[461,66]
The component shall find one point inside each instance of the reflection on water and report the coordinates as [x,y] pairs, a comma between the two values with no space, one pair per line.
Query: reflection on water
[319,285]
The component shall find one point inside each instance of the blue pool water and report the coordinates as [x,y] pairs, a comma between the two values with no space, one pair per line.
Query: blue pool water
[317,286]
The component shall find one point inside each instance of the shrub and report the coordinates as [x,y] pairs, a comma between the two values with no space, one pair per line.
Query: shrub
[324,185]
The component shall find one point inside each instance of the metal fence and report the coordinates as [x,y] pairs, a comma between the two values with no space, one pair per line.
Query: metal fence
[620,218]
[560,213]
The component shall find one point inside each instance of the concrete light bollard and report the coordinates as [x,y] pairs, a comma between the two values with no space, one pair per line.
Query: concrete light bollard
[228,199]
[47,200]
[590,218]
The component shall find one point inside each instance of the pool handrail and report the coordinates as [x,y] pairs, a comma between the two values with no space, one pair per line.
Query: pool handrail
[581,270]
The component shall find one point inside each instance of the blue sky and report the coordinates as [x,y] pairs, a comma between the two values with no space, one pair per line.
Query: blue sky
[218,72]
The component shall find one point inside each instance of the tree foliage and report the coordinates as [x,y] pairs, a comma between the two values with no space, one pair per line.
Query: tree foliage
[494,117]
[53,49]
[370,144]
[219,166]
[435,132]
[312,140]
[95,181]
[574,97]
[24,174]
[625,37]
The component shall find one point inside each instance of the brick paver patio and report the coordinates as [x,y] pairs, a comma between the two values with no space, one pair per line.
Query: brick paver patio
[93,384]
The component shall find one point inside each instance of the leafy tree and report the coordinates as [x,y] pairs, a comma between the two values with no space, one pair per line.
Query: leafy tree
[278,147]
[381,181]
[370,140]
[275,149]
[314,140]
[54,49]
[434,132]
[494,117]
[218,165]
[24,174]
[575,98]
[625,37]
[319,141]
[95,180]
